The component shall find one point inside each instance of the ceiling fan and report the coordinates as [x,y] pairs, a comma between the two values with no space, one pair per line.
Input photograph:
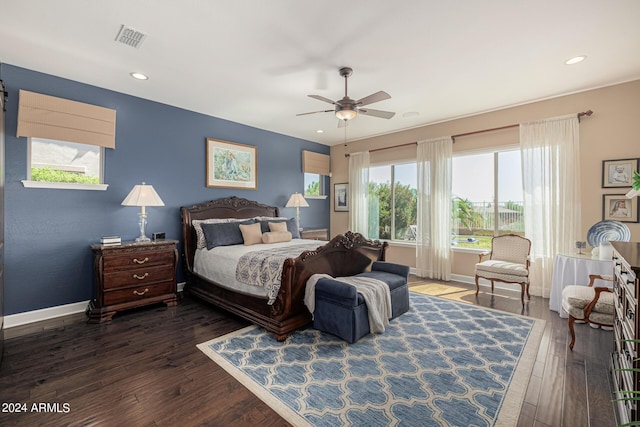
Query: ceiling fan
[347,109]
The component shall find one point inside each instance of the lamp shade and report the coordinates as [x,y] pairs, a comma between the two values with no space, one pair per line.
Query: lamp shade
[297,201]
[142,195]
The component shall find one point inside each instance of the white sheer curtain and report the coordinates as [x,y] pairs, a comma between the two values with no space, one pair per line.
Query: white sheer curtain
[359,192]
[551,179]
[433,245]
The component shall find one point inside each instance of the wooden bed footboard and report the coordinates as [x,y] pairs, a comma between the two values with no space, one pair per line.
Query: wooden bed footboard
[344,255]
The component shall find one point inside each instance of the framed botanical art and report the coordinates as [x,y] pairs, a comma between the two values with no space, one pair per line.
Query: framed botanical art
[341,197]
[617,207]
[231,165]
[618,173]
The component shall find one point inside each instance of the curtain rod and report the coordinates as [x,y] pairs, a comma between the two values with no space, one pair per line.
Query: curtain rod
[580,115]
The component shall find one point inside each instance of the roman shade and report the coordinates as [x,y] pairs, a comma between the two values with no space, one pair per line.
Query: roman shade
[315,163]
[48,117]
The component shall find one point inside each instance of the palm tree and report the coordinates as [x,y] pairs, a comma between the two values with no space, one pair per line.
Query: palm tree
[464,213]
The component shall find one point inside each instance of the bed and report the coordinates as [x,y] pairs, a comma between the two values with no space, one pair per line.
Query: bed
[344,255]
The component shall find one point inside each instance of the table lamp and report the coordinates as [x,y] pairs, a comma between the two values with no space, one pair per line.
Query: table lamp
[297,201]
[143,195]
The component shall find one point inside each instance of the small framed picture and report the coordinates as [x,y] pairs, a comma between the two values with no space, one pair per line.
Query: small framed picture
[341,197]
[618,173]
[618,208]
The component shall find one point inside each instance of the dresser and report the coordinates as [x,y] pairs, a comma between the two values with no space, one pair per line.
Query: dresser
[315,234]
[626,258]
[132,275]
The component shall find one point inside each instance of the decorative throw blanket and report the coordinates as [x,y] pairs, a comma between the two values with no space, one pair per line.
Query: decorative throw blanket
[264,268]
[375,292]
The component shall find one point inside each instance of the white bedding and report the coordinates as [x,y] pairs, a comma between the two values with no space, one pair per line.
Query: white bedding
[219,264]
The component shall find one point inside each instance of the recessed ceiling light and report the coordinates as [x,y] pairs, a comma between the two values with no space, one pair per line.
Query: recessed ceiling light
[319,131]
[575,60]
[410,114]
[139,76]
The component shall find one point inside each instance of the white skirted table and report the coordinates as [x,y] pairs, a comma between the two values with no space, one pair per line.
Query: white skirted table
[574,269]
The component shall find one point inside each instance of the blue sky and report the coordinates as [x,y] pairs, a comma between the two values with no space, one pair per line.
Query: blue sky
[472,176]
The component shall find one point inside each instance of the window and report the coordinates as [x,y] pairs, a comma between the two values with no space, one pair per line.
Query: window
[313,185]
[393,207]
[487,197]
[64,162]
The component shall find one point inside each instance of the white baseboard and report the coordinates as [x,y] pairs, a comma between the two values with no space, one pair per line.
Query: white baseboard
[20,319]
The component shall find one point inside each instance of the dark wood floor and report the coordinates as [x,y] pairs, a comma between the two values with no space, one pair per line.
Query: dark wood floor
[143,369]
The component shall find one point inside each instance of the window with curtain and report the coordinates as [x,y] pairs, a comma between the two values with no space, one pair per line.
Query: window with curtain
[66,140]
[487,197]
[316,169]
[393,202]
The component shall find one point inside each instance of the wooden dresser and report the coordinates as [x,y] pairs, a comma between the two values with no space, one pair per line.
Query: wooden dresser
[132,275]
[315,234]
[626,258]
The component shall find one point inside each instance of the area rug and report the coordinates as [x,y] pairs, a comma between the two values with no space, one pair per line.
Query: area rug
[441,363]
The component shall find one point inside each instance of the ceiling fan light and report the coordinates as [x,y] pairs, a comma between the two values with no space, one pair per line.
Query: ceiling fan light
[346,114]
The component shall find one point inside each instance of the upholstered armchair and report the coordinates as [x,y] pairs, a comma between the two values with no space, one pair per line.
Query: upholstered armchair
[589,304]
[508,262]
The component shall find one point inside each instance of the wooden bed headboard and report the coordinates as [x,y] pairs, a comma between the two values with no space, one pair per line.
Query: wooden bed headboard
[229,207]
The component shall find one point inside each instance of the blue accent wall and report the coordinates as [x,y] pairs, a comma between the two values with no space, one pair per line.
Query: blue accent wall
[48,232]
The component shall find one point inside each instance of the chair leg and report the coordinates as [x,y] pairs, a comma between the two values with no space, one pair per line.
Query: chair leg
[477,286]
[522,286]
[528,296]
[492,286]
[573,332]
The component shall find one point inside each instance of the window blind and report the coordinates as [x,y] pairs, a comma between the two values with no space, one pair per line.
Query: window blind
[315,163]
[48,117]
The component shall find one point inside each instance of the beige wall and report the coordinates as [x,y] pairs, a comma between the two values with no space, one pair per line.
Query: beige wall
[612,132]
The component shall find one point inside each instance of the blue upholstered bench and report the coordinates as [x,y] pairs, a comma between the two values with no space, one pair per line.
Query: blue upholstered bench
[340,310]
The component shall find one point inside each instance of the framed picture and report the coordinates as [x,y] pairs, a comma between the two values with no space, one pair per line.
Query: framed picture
[617,207]
[618,173]
[341,197]
[231,165]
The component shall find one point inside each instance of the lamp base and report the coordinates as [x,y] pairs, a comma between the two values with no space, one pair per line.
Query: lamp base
[142,239]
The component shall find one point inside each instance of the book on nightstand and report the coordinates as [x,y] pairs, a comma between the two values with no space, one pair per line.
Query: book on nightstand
[110,240]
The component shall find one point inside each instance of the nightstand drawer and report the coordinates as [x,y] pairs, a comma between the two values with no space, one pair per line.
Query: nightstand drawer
[138,259]
[319,234]
[138,276]
[141,292]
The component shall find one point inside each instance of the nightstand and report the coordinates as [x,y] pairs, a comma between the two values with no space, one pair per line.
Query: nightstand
[132,275]
[317,234]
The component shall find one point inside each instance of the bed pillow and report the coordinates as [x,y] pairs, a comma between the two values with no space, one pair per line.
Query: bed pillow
[201,241]
[223,233]
[292,226]
[251,234]
[277,226]
[276,237]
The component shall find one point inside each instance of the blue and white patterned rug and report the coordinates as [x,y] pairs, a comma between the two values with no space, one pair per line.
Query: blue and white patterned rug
[441,363]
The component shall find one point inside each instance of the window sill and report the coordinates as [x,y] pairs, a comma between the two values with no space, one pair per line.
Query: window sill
[64,185]
[315,197]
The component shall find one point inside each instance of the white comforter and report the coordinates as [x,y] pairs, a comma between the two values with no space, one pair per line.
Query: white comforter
[219,264]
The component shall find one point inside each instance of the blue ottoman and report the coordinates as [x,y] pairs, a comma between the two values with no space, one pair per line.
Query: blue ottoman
[340,310]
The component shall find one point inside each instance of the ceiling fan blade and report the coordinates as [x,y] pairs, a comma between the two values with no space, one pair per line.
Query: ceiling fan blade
[314,112]
[322,98]
[376,113]
[374,97]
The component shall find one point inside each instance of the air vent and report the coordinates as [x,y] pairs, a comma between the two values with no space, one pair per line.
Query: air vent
[130,36]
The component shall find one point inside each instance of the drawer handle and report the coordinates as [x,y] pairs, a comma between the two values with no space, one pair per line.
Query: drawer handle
[141,277]
[141,293]
[137,261]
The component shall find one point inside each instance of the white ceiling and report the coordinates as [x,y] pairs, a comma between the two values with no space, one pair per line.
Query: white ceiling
[254,61]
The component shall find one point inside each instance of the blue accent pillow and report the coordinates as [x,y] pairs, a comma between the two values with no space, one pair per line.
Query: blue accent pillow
[292,226]
[224,234]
